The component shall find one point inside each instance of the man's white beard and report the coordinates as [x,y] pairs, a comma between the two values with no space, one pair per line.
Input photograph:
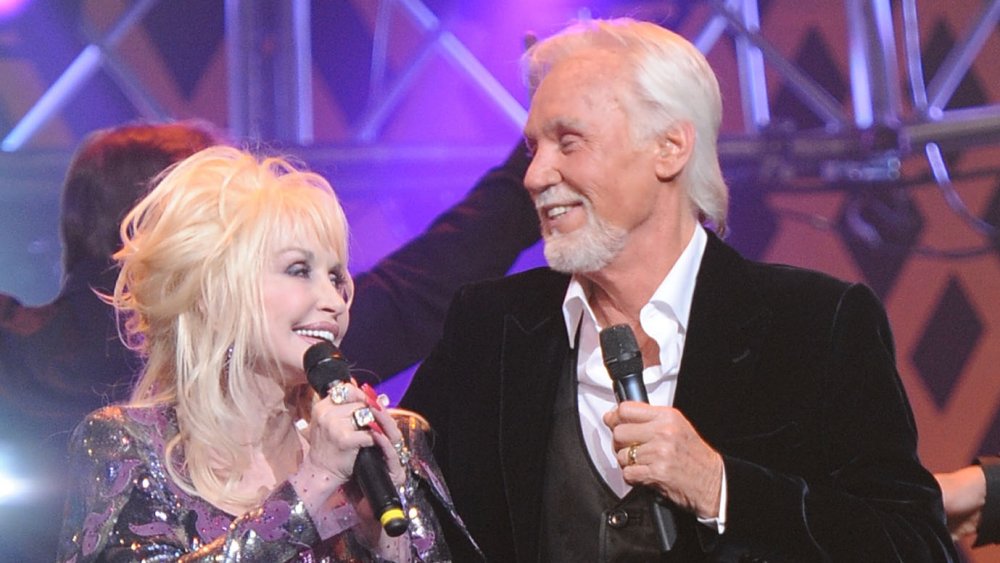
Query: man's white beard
[587,249]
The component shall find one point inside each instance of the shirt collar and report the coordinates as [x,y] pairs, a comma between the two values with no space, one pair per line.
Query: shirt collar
[674,293]
[677,289]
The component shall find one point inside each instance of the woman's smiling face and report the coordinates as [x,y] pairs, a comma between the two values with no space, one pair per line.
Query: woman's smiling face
[307,294]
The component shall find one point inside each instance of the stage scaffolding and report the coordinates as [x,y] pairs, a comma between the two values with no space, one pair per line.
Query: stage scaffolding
[269,90]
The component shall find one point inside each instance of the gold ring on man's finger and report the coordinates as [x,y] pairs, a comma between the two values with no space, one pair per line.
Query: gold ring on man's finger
[632,451]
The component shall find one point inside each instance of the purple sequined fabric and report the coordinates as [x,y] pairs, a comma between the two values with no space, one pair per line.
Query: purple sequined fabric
[123,506]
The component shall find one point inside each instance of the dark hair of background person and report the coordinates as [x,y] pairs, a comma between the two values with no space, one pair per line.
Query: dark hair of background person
[60,360]
[110,171]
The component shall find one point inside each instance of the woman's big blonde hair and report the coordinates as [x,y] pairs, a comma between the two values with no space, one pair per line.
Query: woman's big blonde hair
[193,255]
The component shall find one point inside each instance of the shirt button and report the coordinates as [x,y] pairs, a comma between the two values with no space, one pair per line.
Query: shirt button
[617,518]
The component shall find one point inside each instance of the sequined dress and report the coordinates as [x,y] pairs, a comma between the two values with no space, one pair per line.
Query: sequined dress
[123,506]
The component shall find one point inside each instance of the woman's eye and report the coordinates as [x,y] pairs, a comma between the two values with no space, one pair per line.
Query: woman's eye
[298,270]
[342,282]
[338,278]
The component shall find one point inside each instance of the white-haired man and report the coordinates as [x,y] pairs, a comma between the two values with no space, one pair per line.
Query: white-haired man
[777,428]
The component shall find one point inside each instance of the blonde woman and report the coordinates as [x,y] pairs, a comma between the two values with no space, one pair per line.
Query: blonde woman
[231,268]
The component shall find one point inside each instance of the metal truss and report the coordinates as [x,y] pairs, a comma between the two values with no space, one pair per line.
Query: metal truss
[270,88]
[384,100]
[866,150]
[284,115]
[865,145]
[98,54]
[270,93]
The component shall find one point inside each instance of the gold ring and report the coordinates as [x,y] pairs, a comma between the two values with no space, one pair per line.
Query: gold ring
[362,417]
[338,393]
[631,453]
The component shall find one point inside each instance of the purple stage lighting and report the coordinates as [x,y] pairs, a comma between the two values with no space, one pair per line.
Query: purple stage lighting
[11,8]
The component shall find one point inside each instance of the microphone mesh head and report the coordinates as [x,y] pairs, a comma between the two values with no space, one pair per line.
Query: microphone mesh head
[621,351]
[324,364]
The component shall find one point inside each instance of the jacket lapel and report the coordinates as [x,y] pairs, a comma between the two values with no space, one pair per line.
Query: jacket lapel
[728,324]
[535,347]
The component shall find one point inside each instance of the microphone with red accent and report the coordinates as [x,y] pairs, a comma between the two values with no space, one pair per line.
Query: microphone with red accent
[623,359]
[325,365]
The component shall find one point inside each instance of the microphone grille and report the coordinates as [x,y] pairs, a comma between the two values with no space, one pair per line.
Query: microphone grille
[621,351]
[324,363]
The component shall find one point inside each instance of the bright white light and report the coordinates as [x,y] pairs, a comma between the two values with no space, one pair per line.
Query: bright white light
[17,483]
[13,489]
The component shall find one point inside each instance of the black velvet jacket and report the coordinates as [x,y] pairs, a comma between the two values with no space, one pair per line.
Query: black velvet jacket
[790,374]
[989,522]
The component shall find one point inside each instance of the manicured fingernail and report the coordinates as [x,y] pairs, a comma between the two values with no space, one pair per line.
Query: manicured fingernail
[371,398]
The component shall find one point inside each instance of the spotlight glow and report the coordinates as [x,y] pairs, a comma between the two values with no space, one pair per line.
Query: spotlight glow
[17,485]
[13,489]
[10,8]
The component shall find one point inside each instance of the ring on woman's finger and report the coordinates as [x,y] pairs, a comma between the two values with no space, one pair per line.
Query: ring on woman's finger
[402,451]
[632,450]
[338,392]
[362,417]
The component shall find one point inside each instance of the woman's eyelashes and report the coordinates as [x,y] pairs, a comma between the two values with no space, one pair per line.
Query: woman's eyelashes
[342,281]
[302,269]
[338,277]
[299,270]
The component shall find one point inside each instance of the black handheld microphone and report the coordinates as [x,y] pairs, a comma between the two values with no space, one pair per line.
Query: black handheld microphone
[624,362]
[325,365]
[623,359]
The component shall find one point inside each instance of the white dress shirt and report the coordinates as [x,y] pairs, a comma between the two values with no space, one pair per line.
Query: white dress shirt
[665,319]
